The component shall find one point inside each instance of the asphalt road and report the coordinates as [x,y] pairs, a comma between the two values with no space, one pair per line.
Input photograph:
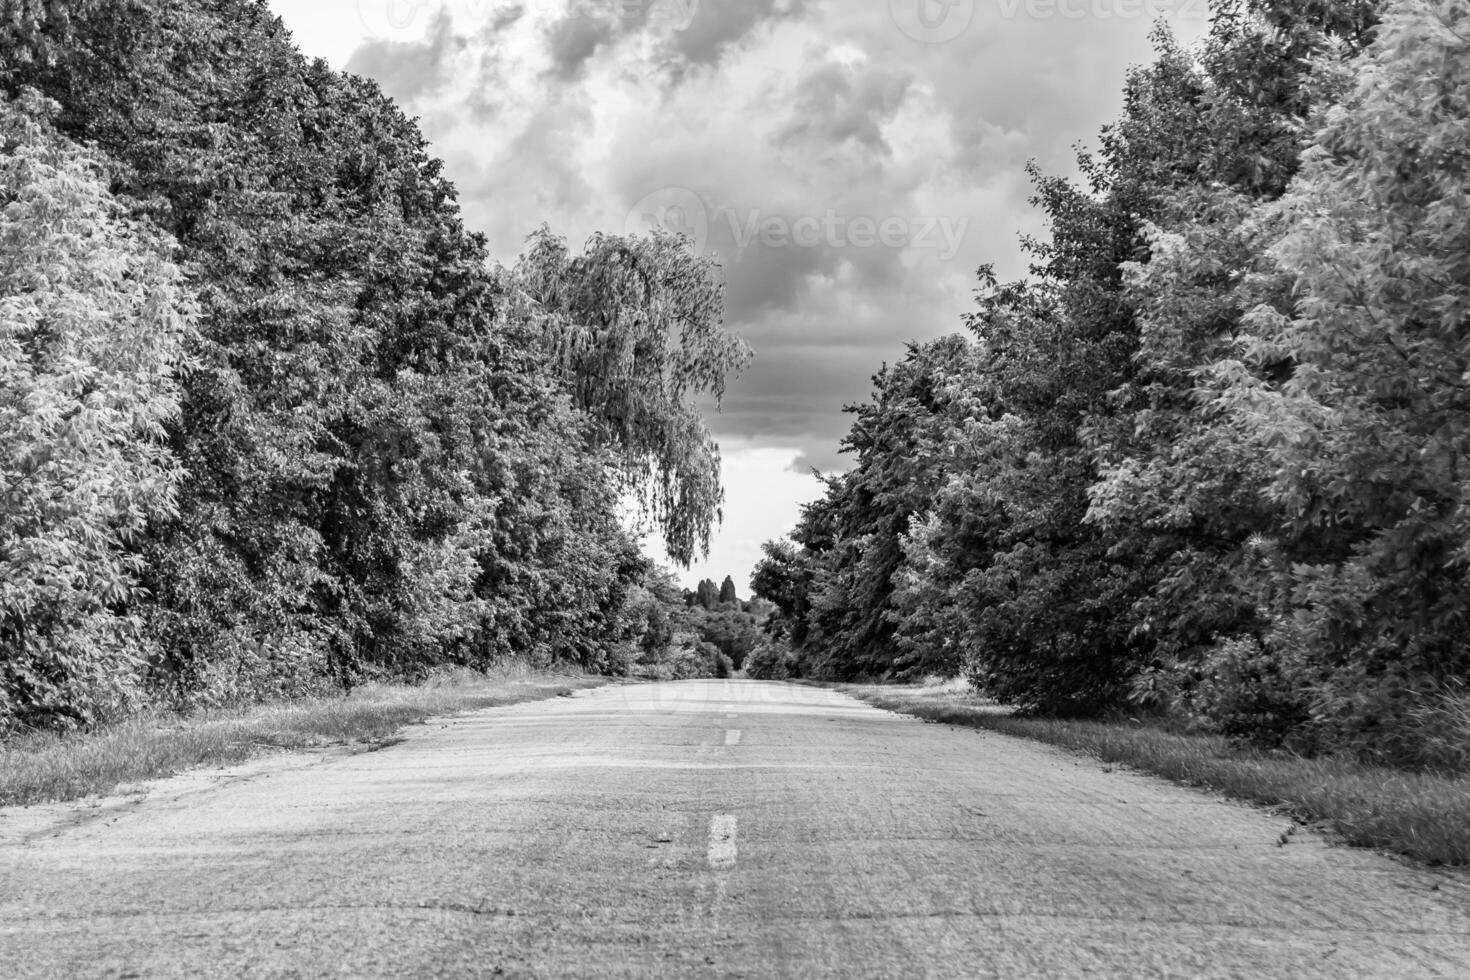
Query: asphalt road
[704,828]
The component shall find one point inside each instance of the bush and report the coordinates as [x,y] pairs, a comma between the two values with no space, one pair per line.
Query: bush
[1241,689]
[1442,727]
[248,670]
[771,661]
[724,666]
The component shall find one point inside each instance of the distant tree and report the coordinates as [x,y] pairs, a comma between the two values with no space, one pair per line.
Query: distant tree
[733,632]
[727,591]
[707,595]
[784,579]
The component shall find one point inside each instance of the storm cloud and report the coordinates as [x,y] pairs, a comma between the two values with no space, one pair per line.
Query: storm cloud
[850,167]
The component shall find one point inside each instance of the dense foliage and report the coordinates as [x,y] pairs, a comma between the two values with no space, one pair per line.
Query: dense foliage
[678,634]
[633,326]
[94,317]
[1208,458]
[271,419]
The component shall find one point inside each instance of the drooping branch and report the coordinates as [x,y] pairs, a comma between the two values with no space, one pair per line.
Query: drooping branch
[635,326]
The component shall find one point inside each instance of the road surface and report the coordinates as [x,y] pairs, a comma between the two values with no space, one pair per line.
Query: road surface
[705,828]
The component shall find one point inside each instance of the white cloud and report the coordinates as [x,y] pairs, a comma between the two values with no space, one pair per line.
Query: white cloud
[764,498]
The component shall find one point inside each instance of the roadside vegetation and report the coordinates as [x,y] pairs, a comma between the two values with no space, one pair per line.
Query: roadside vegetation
[274,425]
[1423,815]
[52,767]
[1208,461]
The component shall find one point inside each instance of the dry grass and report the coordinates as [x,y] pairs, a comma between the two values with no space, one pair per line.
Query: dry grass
[1422,815]
[48,768]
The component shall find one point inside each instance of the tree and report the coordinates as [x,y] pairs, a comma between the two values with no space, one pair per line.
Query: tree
[634,324]
[384,472]
[835,593]
[784,578]
[727,591]
[1368,434]
[94,317]
[1066,510]
[335,283]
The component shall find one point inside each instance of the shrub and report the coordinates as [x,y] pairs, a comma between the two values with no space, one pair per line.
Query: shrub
[771,661]
[1442,727]
[1244,690]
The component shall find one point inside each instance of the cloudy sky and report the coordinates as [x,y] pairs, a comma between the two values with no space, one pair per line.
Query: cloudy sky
[851,162]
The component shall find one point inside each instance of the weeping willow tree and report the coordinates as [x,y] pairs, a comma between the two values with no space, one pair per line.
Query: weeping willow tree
[635,326]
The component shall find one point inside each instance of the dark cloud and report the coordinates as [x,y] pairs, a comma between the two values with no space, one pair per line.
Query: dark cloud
[504,18]
[695,33]
[572,41]
[759,279]
[837,102]
[408,69]
[577,112]
[796,396]
[721,25]
[825,461]
[786,111]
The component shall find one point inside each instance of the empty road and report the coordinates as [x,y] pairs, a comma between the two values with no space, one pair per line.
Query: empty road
[703,828]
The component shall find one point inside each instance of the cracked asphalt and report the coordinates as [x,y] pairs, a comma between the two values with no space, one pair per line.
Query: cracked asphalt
[701,828]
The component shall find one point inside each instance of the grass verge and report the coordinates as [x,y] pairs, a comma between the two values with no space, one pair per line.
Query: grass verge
[51,768]
[1425,816]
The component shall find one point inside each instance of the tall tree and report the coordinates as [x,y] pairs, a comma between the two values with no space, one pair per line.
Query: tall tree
[1368,434]
[94,317]
[635,325]
[383,470]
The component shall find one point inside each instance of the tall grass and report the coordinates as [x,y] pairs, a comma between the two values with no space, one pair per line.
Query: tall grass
[1424,815]
[50,768]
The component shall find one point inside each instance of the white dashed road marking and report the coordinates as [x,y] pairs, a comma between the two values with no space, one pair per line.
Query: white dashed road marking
[732,737]
[722,841]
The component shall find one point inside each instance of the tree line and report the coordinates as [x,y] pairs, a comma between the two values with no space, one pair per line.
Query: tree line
[1209,458]
[272,422]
